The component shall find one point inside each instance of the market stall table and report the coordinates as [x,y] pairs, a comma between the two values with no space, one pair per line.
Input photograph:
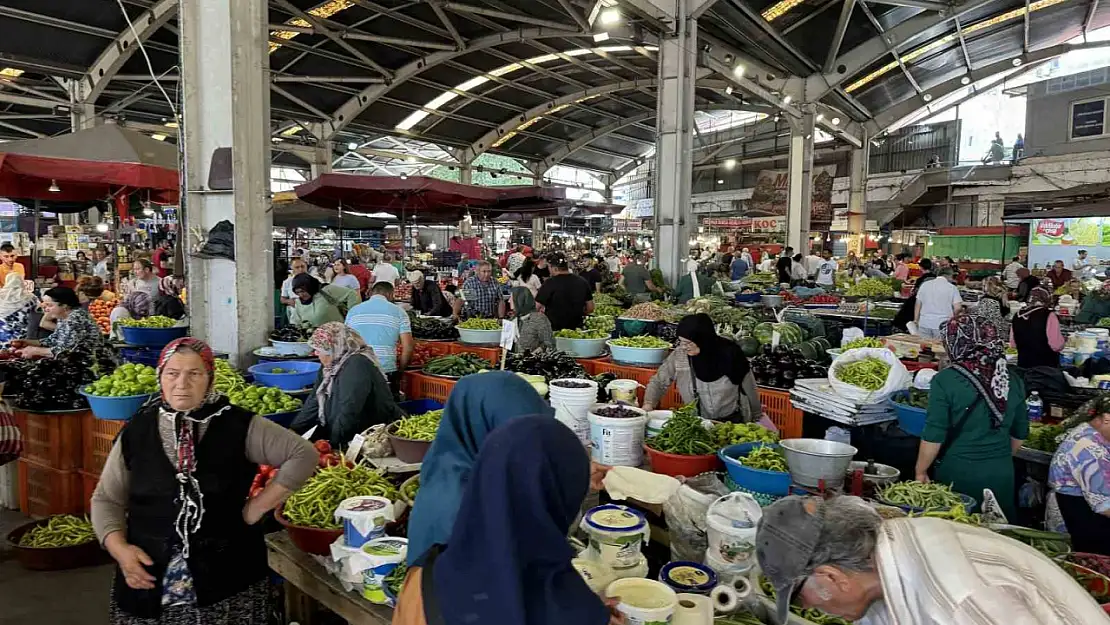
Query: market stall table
[308,583]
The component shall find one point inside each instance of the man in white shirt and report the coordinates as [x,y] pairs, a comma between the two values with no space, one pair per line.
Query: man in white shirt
[287,296]
[692,262]
[1082,267]
[384,271]
[937,301]
[813,263]
[100,268]
[144,279]
[516,260]
[1009,274]
[767,264]
[826,271]
[840,557]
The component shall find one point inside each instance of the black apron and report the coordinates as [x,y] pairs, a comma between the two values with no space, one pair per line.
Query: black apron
[1090,531]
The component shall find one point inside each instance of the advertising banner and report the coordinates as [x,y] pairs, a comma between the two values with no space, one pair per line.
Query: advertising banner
[770,196]
[1084,232]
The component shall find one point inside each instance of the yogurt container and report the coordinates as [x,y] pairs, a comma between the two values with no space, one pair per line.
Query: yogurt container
[623,390]
[688,577]
[1067,357]
[656,420]
[364,518]
[1082,356]
[640,569]
[616,535]
[381,556]
[644,601]
[596,575]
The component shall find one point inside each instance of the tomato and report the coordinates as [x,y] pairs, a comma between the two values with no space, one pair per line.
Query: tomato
[323,447]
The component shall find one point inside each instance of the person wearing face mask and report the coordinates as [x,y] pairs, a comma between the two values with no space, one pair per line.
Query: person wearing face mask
[172,504]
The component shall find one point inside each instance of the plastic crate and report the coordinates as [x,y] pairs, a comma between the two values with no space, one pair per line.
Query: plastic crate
[52,439]
[492,354]
[416,385]
[44,491]
[671,399]
[97,437]
[423,351]
[590,364]
[88,485]
[420,406]
[783,414]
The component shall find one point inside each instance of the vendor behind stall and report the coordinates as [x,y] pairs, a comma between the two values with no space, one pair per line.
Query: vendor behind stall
[481,295]
[565,298]
[533,327]
[427,299]
[1080,477]
[1035,332]
[710,370]
[317,305]
[685,290]
[74,327]
[351,392]
[976,417]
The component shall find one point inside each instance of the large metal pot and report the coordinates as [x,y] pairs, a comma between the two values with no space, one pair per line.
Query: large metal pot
[814,462]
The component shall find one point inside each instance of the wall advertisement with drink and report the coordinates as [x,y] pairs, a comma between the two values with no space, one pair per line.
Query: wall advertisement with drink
[1061,239]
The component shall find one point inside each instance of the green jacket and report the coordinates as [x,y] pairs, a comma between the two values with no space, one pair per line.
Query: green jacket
[360,397]
[330,304]
[684,290]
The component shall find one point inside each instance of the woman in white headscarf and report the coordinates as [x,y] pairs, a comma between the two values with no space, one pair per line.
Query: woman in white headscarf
[17,303]
[747,256]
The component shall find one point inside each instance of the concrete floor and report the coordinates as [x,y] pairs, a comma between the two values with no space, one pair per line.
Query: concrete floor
[76,597]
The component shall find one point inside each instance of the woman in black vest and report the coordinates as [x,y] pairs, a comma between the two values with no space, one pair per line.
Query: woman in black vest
[172,502]
[1035,332]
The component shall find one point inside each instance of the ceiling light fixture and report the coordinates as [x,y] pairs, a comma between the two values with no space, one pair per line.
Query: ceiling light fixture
[352,146]
[602,36]
[720,182]
[738,71]
[820,117]
[836,121]
[1016,62]
[928,97]
[148,212]
[730,163]
[54,188]
[728,90]
[404,177]
[786,99]
[610,16]
[965,80]
[102,227]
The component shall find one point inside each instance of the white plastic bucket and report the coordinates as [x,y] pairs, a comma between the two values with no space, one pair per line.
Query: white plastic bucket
[572,406]
[623,390]
[364,518]
[656,420]
[644,601]
[617,534]
[726,573]
[1083,356]
[731,523]
[617,441]
[382,555]
[640,569]
[1086,341]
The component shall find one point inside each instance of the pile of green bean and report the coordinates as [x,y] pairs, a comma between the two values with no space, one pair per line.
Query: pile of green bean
[409,489]
[642,342]
[931,496]
[477,323]
[685,435]
[315,503]
[812,615]
[64,530]
[456,365]
[867,373]
[418,427]
[765,458]
[1052,544]
[396,578]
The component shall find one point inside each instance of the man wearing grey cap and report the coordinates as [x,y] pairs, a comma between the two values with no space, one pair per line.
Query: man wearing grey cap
[839,556]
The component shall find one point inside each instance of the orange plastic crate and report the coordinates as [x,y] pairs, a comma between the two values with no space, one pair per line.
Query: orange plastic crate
[783,414]
[423,351]
[96,442]
[492,354]
[671,399]
[419,386]
[88,485]
[590,364]
[44,491]
[52,440]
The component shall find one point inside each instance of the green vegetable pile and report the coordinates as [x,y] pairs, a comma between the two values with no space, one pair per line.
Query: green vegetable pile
[1052,544]
[812,615]
[456,365]
[958,514]
[315,503]
[418,427]
[263,400]
[1043,437]
[931,496]
[725,434]
[129,379]
[582,334]
[608,311]
[227,378]
[916,398]
[64,530]
[603,299]
[684,434]
[866,341]
[642,342]
[601,322]
[155,321]
[477,323]
[871,287]
[1103,323]
[738,618]
[410,488]
[396,578]
[765,458]
[868,373]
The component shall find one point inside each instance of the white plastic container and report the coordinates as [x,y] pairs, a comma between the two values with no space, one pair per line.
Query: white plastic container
[726,573]
[644,601]
[1067,357]
[617,533]
[382,555]
[364,518]
[1083,356]
[572,406]
[656,420]
[1086,341]
[731,523]
[623,390]
[596,575]
[640,569]
[617,441]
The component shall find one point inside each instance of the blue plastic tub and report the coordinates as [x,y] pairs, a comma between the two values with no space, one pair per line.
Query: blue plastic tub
[152,337]
[748,298]
[638,356]
[910,419]
[115,408]
[420,406]
[757,480]
[141,355]
[284,419]
[297,374]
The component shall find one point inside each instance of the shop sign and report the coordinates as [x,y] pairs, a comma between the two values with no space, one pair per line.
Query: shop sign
[626,225]
[1084,232]
[747,224]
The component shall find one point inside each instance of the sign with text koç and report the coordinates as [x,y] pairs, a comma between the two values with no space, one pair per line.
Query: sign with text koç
[748,224]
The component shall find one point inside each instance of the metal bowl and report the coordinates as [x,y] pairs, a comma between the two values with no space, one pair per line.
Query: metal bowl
[771,301]
[881,475]
[814,462]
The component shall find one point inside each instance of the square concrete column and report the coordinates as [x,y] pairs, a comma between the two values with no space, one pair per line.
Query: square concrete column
[800,186]
[857,191]
[225,83]
[322,156]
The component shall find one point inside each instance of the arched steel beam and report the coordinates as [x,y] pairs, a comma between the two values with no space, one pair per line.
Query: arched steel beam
[93,83]
[581,141]
[353,107]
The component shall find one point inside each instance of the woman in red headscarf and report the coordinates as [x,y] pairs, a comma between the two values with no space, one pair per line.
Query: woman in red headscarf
[172,502]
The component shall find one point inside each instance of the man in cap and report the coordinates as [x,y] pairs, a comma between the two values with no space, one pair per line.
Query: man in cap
[839,556]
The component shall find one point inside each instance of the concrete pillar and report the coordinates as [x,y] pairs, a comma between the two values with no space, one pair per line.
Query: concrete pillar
[800,190]
[539,233]
[674,144]
[82,116]
[225,83]
[989,209]
[857,192]
[322,157]
[466,174]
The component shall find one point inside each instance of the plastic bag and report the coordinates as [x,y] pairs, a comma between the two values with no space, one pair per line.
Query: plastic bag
[849,335]
[686,513]
[923,379]
[376,443]
[897,379]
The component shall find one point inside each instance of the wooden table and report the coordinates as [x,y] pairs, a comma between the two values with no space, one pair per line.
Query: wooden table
[308,584]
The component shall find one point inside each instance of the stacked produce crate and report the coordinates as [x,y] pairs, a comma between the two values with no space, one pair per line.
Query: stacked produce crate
[98,436]
[50,467]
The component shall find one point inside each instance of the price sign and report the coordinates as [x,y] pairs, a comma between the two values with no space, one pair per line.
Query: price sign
[508,333]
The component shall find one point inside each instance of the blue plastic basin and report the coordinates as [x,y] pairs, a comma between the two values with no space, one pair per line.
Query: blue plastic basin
[638,356]
[910,419]
[141,355]
[420,406]
[756,480]
[299,374]
[153,337]
[116,408]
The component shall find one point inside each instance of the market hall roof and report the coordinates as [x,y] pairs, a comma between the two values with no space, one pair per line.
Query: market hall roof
[526,78]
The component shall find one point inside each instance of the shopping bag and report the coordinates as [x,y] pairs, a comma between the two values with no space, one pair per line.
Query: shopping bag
[897,378]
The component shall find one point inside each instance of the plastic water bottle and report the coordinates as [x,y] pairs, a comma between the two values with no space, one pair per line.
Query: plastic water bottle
[1036,407]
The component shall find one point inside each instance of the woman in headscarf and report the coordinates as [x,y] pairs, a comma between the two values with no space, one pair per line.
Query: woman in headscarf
[977,416]
[710,370]
[992,306]
[427,299]
[74,327]
[1035,332]
[172,506]
[168,303]
[507,559]
[17,303]
[135,306]
[317,305]
[476,406]
[1080,476]
[351,393]
[533,327]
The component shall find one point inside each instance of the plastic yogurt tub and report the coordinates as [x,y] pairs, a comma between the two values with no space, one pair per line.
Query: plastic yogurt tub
[689,577]
[364,518]
[381,556]
[644,601]
[616,534]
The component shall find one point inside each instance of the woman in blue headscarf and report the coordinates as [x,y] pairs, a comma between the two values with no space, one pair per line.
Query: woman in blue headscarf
[507,559]
[477,405]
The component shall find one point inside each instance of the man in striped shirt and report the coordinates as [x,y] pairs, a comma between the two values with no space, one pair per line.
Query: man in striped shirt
[383,325]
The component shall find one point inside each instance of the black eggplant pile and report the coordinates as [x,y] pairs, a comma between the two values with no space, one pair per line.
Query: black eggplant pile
[783,365]
[429,329]
[551,364]
[46,384]
[291,334]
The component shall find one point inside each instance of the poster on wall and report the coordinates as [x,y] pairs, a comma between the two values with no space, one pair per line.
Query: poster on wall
[1084,232]
[771,193]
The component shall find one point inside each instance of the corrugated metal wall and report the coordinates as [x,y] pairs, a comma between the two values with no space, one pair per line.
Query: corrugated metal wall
[911,147]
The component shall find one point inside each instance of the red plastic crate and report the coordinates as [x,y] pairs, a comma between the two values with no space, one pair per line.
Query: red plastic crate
[492,354]
[671,399]
[88,485]
[44,491]
[783,414]
[52,440]
[419,386]
[97,437]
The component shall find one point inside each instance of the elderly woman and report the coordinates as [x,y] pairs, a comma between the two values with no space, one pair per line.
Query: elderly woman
[992,306]
[74,327]
[172,507]
[1035,332]
[168,303]
[351,392]
[533,327]
[1080,477]
[317,305]
[976,417]
[710,370]
[17,303]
